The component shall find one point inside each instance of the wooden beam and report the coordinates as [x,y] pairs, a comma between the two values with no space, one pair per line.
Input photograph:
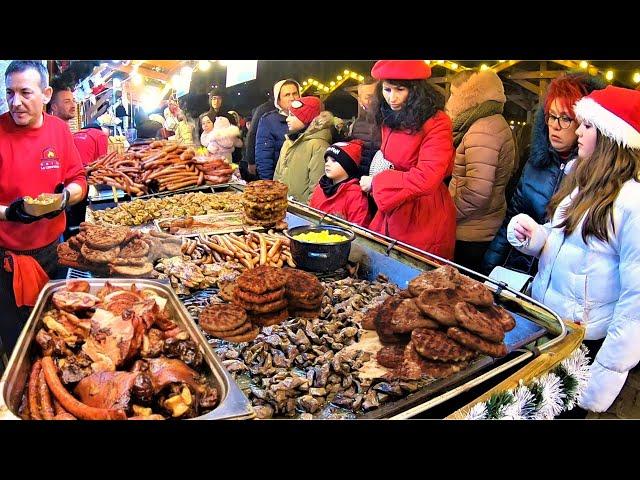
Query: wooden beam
[567,63]
[518,101]
[504,65]
[528,85]
[145,72]
[532,75]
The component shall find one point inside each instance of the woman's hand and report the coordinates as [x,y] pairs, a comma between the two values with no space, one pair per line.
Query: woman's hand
[523,227]
[365,183]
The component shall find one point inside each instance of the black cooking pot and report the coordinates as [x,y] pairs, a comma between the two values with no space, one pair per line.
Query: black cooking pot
[320,257]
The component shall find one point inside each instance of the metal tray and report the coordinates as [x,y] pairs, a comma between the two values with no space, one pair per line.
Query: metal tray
[233,404]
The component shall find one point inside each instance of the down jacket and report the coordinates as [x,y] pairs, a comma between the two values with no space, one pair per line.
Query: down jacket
[483,166]
[598,285]
[414,205]
[301,162]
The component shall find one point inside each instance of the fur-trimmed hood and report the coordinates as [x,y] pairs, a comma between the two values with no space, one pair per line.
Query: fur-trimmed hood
[479,88]
[542,152]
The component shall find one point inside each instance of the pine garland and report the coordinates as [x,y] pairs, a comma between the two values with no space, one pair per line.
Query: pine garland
[544,398]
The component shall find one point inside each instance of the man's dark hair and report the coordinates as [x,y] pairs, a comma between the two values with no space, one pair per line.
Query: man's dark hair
[58,86]
[19,66]
[422,103]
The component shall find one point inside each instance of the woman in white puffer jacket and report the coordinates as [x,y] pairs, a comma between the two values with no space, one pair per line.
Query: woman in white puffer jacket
[589,270]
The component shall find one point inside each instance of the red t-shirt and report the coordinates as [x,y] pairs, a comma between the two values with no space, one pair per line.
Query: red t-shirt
[91,144]
[34,161]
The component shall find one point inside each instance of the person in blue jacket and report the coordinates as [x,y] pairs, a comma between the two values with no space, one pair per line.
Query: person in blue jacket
[273,126]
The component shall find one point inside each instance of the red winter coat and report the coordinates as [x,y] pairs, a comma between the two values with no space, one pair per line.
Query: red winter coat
[414,205]
[349,202]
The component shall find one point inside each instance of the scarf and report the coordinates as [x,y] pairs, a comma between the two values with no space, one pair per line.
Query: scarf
[28,278]
[328,187]
[463,122]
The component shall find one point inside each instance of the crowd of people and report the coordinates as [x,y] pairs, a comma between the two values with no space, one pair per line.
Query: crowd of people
[434,174]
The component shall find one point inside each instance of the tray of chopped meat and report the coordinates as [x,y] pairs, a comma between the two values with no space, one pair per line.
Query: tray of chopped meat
[115,349]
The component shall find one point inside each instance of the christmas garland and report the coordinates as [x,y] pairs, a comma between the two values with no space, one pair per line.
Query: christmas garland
[544,398]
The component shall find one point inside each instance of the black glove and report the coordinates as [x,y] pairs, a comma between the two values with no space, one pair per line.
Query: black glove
[15,213]
[59,189]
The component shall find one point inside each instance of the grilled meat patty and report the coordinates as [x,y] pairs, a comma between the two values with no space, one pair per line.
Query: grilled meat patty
[498,313]
[436,345]
[391,356]
[261,279]
[408,317]
[437,303]
[477,343]
[478,322]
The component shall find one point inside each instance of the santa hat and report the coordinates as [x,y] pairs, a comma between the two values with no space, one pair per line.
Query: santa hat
[615,112]
[306,109]
[348,155]
[400,70]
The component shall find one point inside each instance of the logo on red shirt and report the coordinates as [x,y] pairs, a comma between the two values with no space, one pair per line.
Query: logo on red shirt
[49,160]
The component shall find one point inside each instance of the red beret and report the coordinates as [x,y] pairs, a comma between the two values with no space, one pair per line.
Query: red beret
[400,70]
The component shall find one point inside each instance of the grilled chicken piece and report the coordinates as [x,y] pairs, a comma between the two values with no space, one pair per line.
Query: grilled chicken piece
[115,389]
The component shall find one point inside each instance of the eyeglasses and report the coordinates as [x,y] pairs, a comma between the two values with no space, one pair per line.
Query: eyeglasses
[563,120]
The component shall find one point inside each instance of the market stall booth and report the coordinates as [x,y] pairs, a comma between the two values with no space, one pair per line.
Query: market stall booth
[229,302]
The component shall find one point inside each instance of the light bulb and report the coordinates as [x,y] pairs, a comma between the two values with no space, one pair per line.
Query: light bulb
[339,77]
[454,66]
[584,64]
[484,66]
[204,65]
[609,75]
[636,77]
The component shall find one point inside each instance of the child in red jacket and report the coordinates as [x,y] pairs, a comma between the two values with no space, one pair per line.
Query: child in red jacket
[338,191]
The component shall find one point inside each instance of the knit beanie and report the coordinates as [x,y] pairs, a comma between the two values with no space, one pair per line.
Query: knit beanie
[348,155]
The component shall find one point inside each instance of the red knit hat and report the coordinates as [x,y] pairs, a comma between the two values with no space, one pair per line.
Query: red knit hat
[615,112]
[400,70]
[348,155]
[306,109]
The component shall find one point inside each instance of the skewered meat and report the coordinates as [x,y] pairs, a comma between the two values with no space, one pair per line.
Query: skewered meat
[478,322]
[408,317]
[115,390]
[477,343]
[436,345]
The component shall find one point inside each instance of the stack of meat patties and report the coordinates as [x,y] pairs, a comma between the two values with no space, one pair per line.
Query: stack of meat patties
[436,327]
[265,202]
[117,251]
[228,322]
[261,292]
[304,292]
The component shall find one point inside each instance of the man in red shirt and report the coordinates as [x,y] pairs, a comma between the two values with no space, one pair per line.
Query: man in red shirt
[37,155]
[92,142]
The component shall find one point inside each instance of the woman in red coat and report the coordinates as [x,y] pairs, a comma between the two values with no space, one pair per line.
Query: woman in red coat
[414,205]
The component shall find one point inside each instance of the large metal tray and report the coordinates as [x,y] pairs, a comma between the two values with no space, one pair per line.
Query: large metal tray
[233,404]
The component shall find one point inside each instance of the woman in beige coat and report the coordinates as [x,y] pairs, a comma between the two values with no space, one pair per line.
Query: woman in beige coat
[484,161]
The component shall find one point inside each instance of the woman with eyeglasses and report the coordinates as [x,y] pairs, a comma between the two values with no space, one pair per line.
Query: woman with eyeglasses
[414,205]
[554,146]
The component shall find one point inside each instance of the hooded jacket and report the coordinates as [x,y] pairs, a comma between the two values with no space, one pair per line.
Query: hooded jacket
[301,162]
[541,177]
[484,161]
[414,205]
[596,284]
[272,128]
[223,139]
[257,114]
[349,202]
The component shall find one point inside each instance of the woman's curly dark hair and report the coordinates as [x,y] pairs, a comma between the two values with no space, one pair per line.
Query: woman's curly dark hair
[422,103]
